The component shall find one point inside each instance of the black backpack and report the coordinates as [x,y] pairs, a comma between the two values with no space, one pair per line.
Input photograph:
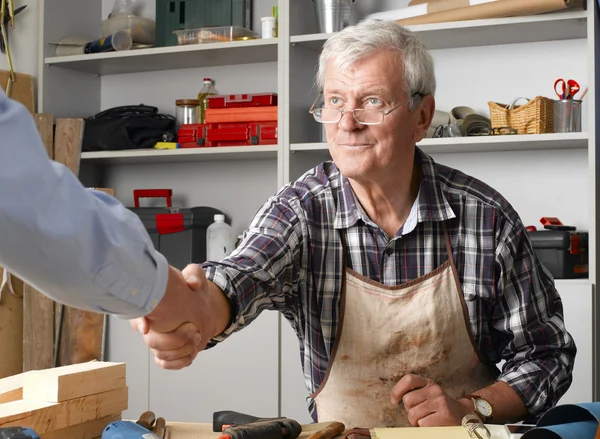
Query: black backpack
[127,127]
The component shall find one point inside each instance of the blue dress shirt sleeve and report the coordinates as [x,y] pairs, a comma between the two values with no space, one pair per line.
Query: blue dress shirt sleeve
[78,246]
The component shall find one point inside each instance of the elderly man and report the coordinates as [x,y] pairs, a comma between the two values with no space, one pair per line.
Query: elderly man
[406,281]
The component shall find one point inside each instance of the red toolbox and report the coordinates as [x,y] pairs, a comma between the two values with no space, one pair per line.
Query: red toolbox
[241,114]
[228,134]
[242,100]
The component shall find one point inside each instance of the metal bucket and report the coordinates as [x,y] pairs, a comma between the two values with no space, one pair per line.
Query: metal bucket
[332,15]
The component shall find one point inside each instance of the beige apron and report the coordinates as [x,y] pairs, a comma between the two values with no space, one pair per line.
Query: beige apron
[420,327]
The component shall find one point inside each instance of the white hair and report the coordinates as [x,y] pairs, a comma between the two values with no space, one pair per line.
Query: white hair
[356,42]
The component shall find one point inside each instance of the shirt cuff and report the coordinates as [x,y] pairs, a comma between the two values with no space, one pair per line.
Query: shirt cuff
[525,379]
[217,275]
[143,294]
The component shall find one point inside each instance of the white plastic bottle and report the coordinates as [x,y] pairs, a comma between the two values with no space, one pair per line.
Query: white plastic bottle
[220,240]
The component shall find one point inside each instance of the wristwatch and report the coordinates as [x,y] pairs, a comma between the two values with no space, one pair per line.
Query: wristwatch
[482,407]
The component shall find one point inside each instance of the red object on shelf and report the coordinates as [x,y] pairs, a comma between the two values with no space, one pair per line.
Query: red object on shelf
[241,114]
[152,193]
[242,100]
[549,220]
[227,134]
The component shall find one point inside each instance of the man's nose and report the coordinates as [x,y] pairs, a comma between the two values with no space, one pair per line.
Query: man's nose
[348,122]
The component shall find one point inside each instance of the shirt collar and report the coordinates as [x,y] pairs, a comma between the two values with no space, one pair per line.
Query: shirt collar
[431,203]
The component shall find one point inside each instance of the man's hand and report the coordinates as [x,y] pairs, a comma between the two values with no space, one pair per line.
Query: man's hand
[192,311]
[427,404]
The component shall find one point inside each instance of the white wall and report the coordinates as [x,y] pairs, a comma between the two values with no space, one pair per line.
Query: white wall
[24,39]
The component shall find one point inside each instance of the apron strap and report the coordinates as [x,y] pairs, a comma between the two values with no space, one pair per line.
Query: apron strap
[447,240]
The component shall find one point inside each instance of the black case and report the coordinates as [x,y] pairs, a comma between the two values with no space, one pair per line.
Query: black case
[181,247]
[563,253]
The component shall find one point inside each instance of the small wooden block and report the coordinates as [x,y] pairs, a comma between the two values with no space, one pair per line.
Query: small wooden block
[75,381]
[87,430]
[21,89]
[11,388]
[44,417]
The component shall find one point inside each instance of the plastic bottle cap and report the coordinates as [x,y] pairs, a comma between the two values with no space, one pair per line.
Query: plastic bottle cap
[207,80]
[219,217]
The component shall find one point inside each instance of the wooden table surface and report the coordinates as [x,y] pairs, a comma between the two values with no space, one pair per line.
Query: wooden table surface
[192,430]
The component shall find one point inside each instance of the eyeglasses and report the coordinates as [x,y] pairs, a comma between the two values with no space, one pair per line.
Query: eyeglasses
[369,116]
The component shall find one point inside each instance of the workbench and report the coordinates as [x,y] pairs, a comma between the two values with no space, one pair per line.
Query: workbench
[192,430]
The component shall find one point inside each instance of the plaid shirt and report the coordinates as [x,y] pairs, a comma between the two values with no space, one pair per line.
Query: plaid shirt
[290,260]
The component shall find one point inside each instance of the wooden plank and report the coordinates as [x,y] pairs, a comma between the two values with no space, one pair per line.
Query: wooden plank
[21,89]
[45,126]
[38,310]
[69,382]
[38,330]
[44,417]
[11,328]
[81,332]
[87,430]
[11,388]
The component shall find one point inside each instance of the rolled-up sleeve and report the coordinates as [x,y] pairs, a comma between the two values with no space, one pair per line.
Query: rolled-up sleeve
[539,351]
[259,275]
[79,247]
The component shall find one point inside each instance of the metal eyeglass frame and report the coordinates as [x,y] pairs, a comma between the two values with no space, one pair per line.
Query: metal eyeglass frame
[383,113]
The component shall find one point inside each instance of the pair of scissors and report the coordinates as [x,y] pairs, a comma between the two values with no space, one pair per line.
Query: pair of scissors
[567,88]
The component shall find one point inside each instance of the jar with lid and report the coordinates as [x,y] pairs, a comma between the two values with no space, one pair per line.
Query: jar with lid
[186,111]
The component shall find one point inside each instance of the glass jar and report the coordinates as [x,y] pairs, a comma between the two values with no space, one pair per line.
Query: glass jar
[186,111]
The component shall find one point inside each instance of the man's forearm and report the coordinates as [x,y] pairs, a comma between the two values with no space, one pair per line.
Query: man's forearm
[506,404]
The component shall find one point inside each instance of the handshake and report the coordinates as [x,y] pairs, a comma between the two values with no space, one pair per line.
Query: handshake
[191,312]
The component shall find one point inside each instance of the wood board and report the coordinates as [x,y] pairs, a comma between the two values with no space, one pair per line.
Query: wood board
[11,328]
[69,382]
[81,333]
[38,310]
[87,430]
[44,417]
[11,388]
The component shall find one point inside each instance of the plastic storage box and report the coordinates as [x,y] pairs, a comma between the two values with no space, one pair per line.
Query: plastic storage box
[179,234]
[214,35]
[142,30]
[563,253]
[242,100]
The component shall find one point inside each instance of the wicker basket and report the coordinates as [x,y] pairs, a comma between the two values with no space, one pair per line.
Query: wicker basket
[534,117]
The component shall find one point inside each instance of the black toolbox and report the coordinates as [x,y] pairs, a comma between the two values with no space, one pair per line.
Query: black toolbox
[178,233]
[563,253]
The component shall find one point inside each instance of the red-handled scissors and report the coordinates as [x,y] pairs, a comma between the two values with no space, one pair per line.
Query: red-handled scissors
[568,89]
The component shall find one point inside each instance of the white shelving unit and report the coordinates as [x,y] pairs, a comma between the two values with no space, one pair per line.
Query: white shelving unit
[476,61]
[533,142]
[181,155]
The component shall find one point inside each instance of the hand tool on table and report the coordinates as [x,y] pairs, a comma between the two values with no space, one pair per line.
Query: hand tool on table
[146,427]
[18,433]
[235,425]
[329,432]
[566,89]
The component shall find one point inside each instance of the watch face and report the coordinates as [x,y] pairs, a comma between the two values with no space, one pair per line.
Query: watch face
[483,407]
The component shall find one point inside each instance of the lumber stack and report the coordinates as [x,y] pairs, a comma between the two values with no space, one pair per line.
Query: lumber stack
[69,402]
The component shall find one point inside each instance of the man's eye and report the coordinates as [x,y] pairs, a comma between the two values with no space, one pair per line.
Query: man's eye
[335,102]
[375,102]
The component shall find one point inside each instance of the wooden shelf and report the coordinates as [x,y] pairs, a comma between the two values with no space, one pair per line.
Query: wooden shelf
[530,142]
[526,29]
[170,58]
[145,156]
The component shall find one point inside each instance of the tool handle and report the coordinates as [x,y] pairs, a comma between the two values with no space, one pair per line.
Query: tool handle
[152,193]
[229,417]
[330,431]
[280,428]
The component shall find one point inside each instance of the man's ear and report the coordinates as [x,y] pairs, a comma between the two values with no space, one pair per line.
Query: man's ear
[425,111]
